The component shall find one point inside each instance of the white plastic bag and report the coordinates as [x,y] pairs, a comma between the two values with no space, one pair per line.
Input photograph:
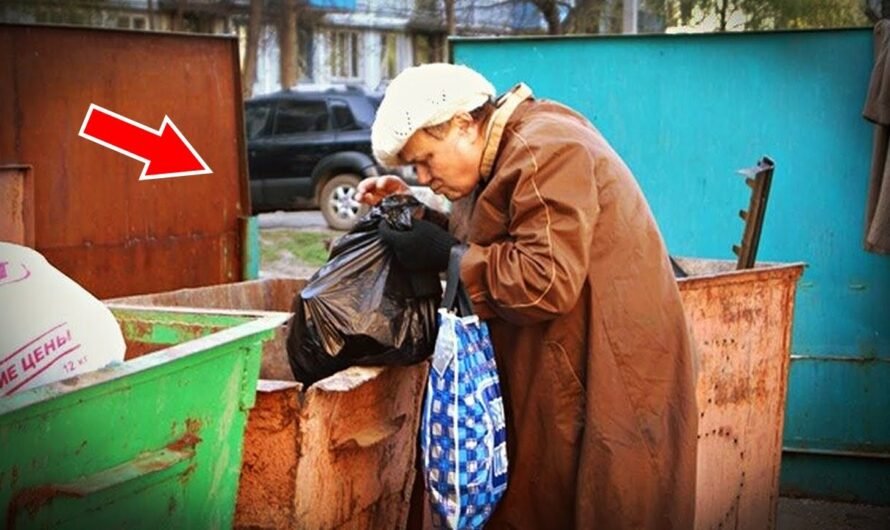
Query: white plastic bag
[51,328]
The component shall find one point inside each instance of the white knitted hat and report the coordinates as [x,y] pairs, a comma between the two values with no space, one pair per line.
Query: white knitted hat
[423,96]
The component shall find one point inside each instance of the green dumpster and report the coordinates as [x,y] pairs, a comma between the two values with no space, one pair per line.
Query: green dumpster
[153,442]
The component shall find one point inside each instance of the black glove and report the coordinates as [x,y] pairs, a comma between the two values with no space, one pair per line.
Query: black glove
[424,248]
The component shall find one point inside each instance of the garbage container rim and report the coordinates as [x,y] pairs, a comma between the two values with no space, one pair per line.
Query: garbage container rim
[763,270]
[255,313]
[270,386]
[136,299]
[264,321]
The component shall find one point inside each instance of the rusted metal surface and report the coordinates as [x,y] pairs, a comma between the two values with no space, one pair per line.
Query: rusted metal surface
[150,443]
[273,294]
[17,205]
[741,325]
[363,431]
[190,439]
[137,349]
[34,498]
[270,457]
[339,455]
[266,295]
[94,219]
[31,500]
[759,179]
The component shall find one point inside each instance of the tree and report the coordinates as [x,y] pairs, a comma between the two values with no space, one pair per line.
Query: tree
[254,27]
[550,10]
[594,16]
[799,14]
[775,14]
[288,44]
[450,24]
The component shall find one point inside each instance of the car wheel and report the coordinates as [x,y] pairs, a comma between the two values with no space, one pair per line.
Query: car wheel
[337,202]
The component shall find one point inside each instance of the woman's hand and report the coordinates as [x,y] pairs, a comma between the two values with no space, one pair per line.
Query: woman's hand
[372,190]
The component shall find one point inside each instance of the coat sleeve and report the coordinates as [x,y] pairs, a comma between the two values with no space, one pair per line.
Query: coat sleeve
[538,271]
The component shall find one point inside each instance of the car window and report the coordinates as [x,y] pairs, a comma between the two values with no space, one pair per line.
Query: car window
[257,120]
[343,118]
[301,116]
[363,109]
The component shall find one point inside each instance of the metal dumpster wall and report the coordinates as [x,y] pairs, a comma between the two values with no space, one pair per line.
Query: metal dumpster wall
[339,455]
[685,112]
[149,443]
[741,325]
[94,219]
[16,205]
[271,294]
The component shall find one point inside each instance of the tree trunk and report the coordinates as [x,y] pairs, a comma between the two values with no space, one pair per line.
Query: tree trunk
[450,27]
[288,44]
[254,27]
[584,17]
[724,5]
[550,11]
[552,17]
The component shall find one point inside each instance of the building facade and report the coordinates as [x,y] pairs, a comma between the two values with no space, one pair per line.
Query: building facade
[356,42]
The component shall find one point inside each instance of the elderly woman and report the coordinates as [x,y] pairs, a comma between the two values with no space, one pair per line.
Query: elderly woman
[567,266]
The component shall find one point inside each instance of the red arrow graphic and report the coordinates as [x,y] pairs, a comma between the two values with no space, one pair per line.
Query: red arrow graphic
[165,152]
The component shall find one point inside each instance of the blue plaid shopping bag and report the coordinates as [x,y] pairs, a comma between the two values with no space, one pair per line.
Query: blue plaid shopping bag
[463,433]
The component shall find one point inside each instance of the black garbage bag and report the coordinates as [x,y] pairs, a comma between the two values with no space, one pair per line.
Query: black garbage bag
[362,308]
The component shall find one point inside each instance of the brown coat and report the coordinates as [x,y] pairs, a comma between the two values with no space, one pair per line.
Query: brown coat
[567,265]
[877,110]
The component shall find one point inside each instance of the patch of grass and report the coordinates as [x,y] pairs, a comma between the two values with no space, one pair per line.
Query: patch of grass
[307,247]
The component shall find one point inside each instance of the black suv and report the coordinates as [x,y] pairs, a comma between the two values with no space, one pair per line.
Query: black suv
[311,148]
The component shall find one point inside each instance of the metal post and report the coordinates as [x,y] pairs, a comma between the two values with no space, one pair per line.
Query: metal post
[759,178]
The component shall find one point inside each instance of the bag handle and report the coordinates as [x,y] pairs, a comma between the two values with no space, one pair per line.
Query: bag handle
[456,297]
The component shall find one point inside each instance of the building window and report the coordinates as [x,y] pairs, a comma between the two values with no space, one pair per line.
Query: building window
[344,55]
[131,22]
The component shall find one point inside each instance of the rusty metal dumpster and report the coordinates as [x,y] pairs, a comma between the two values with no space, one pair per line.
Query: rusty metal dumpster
[741,325]
[339,455]
[94,219]
[153,442]
[342,454]
[16,204]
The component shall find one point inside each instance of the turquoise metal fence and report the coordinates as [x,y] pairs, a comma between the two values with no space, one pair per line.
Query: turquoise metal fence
[686,112]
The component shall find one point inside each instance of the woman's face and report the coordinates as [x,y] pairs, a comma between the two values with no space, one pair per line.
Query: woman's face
[448,161]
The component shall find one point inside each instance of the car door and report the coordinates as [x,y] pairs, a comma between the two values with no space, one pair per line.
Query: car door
[258,119]
[301,136]
[352,134]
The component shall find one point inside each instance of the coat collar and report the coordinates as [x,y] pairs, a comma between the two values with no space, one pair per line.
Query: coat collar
[506,105]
